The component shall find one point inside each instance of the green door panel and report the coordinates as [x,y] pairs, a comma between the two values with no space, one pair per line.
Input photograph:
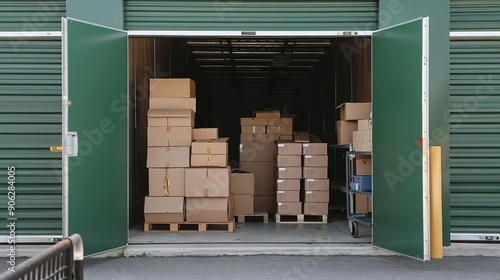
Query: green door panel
[398,121]
[97,87]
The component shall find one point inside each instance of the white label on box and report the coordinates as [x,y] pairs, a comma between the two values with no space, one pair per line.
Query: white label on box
[309,192]
[310,180]
[305,145]
[282,169]
[279,203]
[281,145]
[308,156]
[281,191]
[280,181]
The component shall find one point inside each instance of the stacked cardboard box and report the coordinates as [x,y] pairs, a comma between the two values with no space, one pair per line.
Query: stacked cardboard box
[266,126]
[316,190]
[208,149]
[288,177]
[349,114]
[362,138]
[242,186]
[363,165]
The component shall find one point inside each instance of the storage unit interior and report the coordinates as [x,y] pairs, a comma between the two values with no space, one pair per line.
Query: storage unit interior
[303,77]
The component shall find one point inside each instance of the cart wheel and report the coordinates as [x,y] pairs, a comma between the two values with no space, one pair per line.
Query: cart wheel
[353,228]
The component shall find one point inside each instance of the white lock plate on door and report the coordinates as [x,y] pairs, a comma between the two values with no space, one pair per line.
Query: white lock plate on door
[72,144]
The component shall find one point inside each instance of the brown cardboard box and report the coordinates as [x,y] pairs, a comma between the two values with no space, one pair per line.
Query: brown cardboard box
[169,136]
[209,160]
[271,138]
[171,117]
[263,176]
[316,184]
[243,204]
[210,147]
[363,203]
[315,149]
[279,122]
[288,161]
[168,157]
[264,203]
[363,146]
[279,130]
[363,165]
[315,160]
[344,131]
[288,148]
[361,135]
[242,182]
[166,181]
[355,111]
[287,196]
[159,210]
[315,173]
[173,103]
[316,196]
[172,87]
[253,138]
[253,129]
[253,121]
[289,173]
[364,125]
[207,182]
[315,208]
[289,208]
[209,209]
[205,133]
[267,114]
[257,152]
[288,184]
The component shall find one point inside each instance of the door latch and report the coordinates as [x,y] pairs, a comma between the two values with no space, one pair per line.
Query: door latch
[71,143]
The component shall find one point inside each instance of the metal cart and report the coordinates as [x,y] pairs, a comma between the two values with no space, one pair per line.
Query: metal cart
[355,218]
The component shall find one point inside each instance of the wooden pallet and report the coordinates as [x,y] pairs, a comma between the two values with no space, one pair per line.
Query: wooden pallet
[263,214]
[301,219]
[189,227]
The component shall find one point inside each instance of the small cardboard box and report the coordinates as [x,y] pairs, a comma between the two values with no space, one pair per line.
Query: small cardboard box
[209,160]
[344,131]
[288,148]
[172,87]
[253,121]
[363,165]
[169,136]
[264,203]
[159,210]
[315,173]
[253,129]
[316,196]
[166,181]
[209,210]
[363,203]
[267,114]
[315,149]
[279,130]
[263,176]
[289,173]
[362,146]
[173,103]
[315,160]
[317,184]
[205,133]
[355,111]
[364,125]
[257,152]
[271,138]
[253,138]
[315,208]
[287,196]
[243,204]
[279,122]
[288,184]
[361,135]
[210,147]
[171,117]
[288,161]
[242,182]
[207,182]
[289,208]
[168,157]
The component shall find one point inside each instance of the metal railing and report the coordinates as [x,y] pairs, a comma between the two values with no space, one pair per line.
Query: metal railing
[63,260]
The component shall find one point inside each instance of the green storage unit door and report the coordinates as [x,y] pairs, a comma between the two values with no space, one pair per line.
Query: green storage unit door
[30,122]
[251,15]
[30,15]
[475,137]
[477,15]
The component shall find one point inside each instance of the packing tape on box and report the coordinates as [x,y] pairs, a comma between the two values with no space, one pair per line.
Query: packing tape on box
[205,192]
[209,150]
[166,182]
[168,129]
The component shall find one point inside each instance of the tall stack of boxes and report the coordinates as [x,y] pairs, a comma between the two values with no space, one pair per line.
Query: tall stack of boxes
[316,191]
[350,113]
[362,141]
[288,178]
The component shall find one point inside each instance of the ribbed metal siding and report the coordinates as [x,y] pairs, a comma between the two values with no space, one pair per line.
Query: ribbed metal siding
[477,15]
[251,15]
[30,122]
[475,136]
[27,16]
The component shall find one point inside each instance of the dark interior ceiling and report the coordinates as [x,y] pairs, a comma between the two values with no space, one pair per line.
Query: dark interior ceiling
[257,65]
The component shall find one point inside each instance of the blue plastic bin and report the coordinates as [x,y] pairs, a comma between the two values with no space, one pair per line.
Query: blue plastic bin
[361,183]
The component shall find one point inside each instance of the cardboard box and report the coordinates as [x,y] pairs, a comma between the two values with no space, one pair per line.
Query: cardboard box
[316,196]
[257,152]
[253,129]
[253,138]
[363,203]
[159,210]
[242,182]
[279,122]
[210,147]
[288,184]
[344,131]
[289,173]
[301,136]
[172,88]
[209,209]
[209,160]
[364,125]
[253,121]
[279,130]
[363,165]
[243,204]
[171,117]
[315,160]
[267,114]
[355,111]
[271,138]
[289,208]
[288,161]
[315,149]
[315,173]
[316,184]
[205,133]
[166,181]
[173,103]
[169,136]
[315,208]
[207,182]
[363,146]
[264,203]
[361,135]
[168,157]
[288,148]
[287,196]
[263,176]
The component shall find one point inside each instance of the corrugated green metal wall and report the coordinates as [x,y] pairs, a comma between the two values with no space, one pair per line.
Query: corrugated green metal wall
[474,15]
[30,122]
[475,136]
[29,15]
[251,15]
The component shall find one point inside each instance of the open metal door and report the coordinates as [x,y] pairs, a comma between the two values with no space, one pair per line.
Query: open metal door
[95,135]
[400,139]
